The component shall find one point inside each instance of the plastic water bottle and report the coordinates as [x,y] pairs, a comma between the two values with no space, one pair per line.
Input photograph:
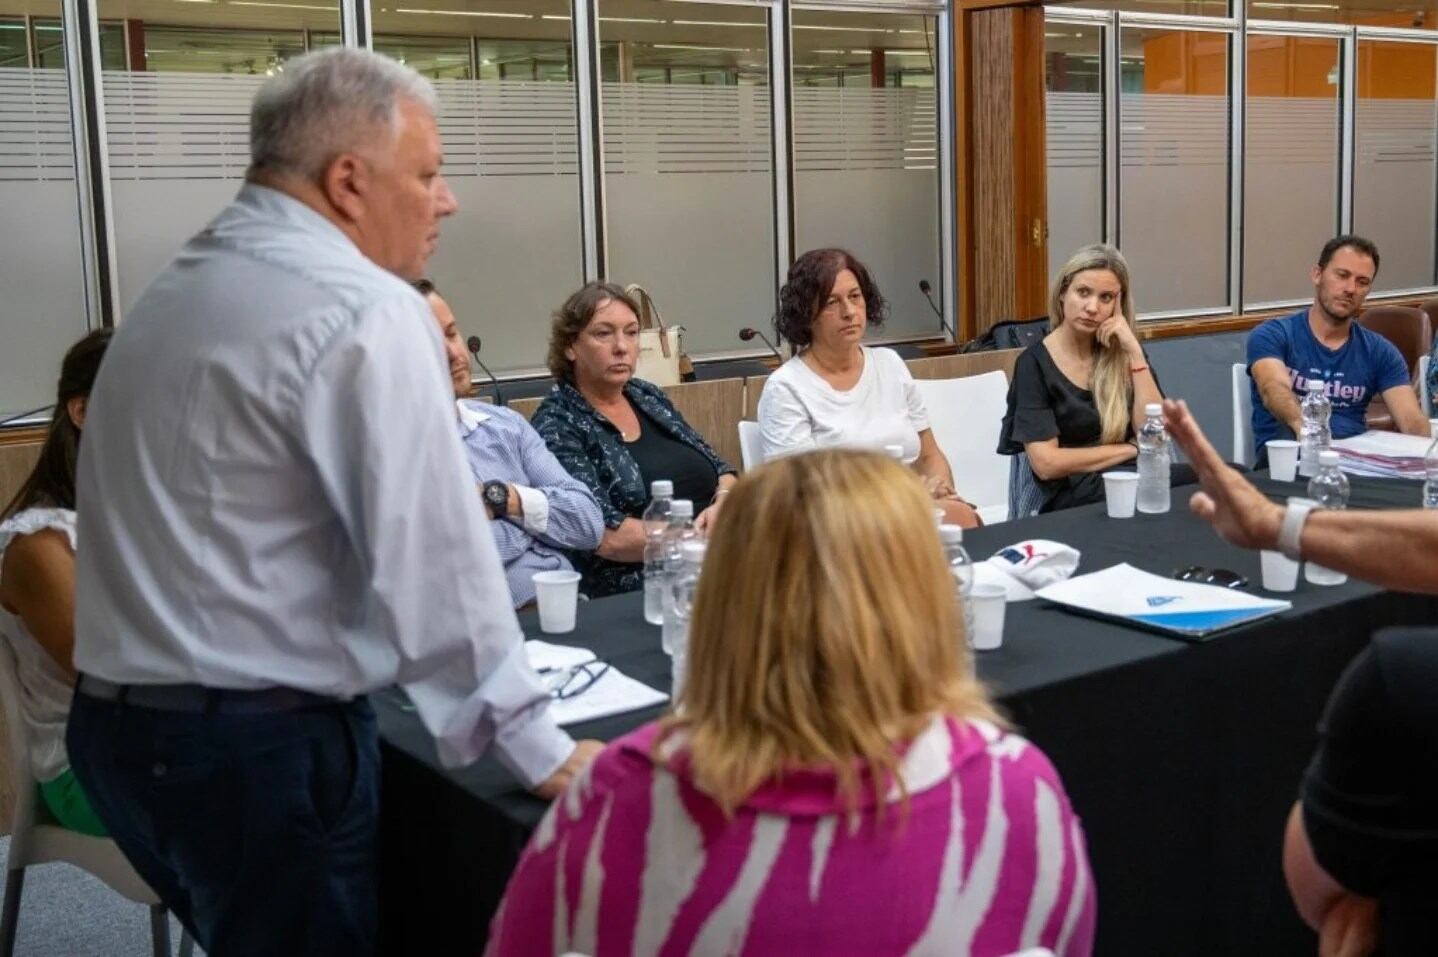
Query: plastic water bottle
[1315,435]
[656,522]
[680,531]
[1154,461]
[678,610]
[1430,469]
[962,568]
[1329,489]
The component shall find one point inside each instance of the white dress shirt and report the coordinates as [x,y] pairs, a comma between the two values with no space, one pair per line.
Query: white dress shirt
[799,410]
[273,495]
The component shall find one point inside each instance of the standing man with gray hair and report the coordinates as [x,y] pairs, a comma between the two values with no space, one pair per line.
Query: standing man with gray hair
[278,521]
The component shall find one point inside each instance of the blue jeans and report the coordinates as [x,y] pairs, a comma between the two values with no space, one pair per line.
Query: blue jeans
[259,831]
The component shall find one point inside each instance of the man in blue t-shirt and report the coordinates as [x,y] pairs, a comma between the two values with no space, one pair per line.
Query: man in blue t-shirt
[1323,342]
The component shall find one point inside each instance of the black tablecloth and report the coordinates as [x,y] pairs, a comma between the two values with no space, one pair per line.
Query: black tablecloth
[1182,759]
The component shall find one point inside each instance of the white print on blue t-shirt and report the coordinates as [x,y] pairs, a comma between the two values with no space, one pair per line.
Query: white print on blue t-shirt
[1339,393]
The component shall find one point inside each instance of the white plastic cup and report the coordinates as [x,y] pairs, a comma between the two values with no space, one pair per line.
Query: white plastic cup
[1282,460]
[558,596]
[1280,573]
[1120,490]
[988,602]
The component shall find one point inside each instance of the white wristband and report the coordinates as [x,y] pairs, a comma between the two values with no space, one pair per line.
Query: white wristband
[1290,532]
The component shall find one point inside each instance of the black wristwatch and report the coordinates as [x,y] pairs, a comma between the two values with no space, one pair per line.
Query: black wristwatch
[496,496]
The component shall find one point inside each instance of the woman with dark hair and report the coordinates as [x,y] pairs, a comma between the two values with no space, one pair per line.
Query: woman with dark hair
[618,434]
[836,391]
[37,588]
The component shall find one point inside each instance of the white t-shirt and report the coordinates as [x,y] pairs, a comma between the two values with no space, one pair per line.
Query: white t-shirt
[44,686]
[798,410]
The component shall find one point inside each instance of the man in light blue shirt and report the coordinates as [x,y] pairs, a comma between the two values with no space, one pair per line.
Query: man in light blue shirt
[536,506]
[278,521]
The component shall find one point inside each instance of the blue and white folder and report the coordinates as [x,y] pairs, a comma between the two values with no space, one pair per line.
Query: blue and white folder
[1181,609]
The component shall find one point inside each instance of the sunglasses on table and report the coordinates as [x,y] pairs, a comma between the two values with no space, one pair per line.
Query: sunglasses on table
[1221,577]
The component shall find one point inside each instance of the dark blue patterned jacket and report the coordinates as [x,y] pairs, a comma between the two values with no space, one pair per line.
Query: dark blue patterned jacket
[591,449]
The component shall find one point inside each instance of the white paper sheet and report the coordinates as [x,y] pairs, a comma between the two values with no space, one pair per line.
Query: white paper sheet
[614,693]
[1187,609]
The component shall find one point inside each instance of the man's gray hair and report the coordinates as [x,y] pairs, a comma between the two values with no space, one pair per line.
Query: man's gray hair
[326,103]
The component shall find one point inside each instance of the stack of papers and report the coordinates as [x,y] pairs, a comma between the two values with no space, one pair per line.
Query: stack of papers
[1383,455]
[614,692]
[1178,608]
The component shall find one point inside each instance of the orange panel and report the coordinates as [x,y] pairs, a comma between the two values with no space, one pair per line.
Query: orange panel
[1192,63]
[1396,71]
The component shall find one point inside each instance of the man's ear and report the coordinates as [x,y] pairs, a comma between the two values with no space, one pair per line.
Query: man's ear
[1315,274]
[346,181]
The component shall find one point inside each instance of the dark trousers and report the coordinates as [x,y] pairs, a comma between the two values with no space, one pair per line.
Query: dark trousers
[259,831]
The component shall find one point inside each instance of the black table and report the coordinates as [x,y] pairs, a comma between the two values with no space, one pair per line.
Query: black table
[1182,759]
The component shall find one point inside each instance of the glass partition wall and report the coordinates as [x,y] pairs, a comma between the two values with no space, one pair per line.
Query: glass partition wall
[692,147]
[1220,152]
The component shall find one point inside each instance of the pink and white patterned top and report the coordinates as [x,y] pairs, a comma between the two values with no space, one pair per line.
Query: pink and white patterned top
[635,860]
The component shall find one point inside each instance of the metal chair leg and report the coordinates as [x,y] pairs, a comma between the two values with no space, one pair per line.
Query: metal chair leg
[160,930]
[187,944]
[10,916]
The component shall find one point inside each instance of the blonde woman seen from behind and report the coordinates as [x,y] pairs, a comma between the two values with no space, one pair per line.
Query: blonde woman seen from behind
[1075,396]
[816,790]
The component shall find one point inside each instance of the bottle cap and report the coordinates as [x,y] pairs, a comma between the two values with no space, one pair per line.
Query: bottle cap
[1153,408]
[1328,457]
[951,534]
[894,452]
[694,552]
[1316,385]
[661,487]
[1433,427]
[682,508]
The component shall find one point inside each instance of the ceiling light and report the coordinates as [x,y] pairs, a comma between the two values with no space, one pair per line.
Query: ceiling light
[288,6]
[627,20]
[686,46]
[464,13]
[716,23]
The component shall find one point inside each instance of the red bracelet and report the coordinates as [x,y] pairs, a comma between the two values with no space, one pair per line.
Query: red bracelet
[1135,370]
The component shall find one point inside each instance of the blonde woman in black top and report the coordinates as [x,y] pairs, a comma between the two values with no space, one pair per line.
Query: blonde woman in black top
[1076,395]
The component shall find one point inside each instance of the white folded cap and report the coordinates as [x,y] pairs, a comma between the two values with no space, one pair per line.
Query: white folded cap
[1023,568]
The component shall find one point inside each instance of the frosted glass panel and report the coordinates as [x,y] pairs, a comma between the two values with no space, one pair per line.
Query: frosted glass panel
[687,166]
[866,152]
[511,254]
[41,281]
[1073,117]
[1173,174]
[1291,164]
[177,119]
[1393,171]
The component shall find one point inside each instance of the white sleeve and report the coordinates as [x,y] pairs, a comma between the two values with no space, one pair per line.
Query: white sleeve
[785,425]
[378,424]
[535,506]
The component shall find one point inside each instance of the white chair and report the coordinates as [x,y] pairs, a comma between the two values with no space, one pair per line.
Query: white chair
[967,415]
[1242,416]
[33,842]
[1425,401]
[751,445]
